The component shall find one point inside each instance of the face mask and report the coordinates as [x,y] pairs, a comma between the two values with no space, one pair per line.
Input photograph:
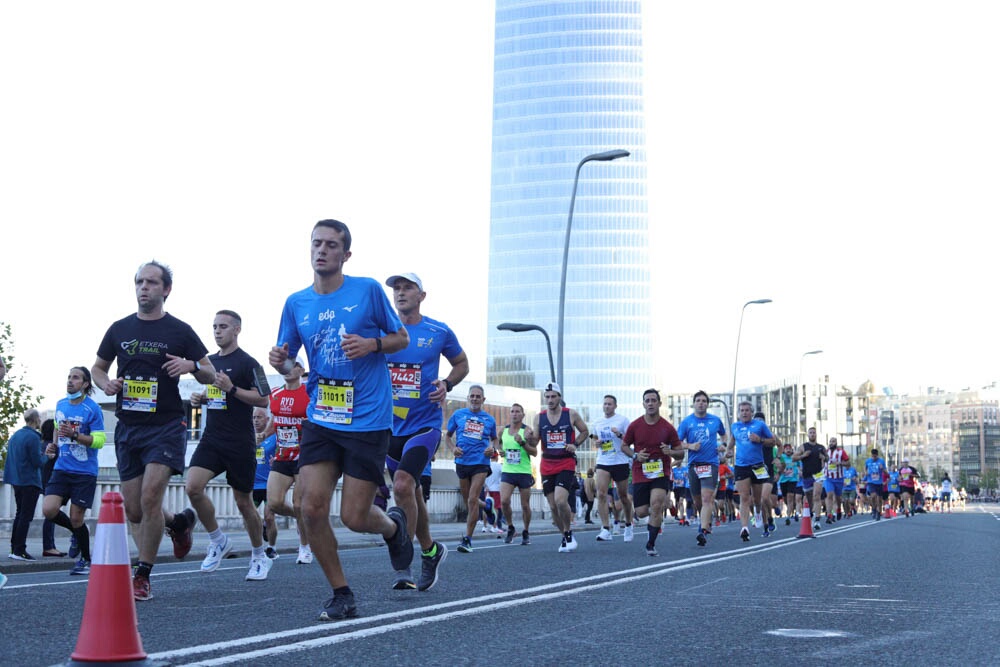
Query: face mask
[74,395]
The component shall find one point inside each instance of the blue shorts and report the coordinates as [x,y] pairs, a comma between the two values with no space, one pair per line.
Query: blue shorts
[77,487]
[835,486]
[136,446]
[521,480]
[410,453]
[873,488]
[808,481]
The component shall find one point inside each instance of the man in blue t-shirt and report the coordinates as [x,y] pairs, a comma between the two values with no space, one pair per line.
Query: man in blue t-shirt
[346,326]
[748,438]
[417,396]
[699,434]
[78,436]
[874,467]
[474,446]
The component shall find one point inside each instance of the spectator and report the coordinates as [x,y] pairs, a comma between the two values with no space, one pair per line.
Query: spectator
[23,471]
[48,527]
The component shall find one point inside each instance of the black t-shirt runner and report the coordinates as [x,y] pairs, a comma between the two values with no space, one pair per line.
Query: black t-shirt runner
[140,347]
[228,420]
[812,463]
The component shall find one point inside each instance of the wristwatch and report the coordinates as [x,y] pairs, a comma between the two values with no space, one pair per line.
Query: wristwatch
[448,385]
[197,366]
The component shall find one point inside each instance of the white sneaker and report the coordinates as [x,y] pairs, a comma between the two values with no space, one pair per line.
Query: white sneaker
[564,548]
[572,544]
[305,555]
[615,530]
[629,534]
[216,552]
[259,567]
[604,535]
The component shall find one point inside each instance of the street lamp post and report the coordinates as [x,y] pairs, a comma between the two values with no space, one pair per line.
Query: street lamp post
[736,359]
[596,157]
[798,385]
[518,327]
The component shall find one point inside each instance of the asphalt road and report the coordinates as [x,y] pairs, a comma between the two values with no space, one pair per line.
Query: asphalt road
[920,591]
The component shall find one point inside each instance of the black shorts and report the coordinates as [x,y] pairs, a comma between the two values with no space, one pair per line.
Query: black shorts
[746,472]
[286,468]
[520,480]
[139,445]
[358,454]
[563,478]
[789,488]
[619,472]
[641,491]
[259,496]
[240,466]
[76,487]
[468,472]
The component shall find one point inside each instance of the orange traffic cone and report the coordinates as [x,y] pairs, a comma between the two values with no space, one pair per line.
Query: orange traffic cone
[806,524]
[109,632]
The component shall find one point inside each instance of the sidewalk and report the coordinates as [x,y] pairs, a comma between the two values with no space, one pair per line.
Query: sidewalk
[287,544]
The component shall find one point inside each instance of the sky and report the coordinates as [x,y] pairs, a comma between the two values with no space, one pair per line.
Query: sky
[839,159]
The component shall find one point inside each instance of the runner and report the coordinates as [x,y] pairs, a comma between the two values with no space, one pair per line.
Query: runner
[812,457]
[788,482]
[652,443]
[289,405]
[266,446]
[699,436]
[850,490]
[561,431]
[907,478]
[519,445]
[347,326]
[612,467]
[475,443]
[418,393]
[874,469]
[833,484]
[747,439]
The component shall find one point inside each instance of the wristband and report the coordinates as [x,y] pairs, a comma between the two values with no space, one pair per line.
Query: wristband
[378,345]
[232,390]
[448,385]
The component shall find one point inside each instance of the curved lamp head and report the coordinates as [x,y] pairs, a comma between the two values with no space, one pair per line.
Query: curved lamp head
[607,155]
[517,327]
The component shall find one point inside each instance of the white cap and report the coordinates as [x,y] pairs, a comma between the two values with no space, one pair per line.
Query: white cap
[412,277]
[552,386]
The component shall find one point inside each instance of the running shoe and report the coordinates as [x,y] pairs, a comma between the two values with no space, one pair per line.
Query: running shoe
[74,548]
[403,581]
[788,521]
[745,534]
[615,529]
[216,552]
[466,546]
[140,588]
[829,520]
[429,567]
[271,553]
[629,534]
[525,538]
[509,537]
[770,526]
[572,544]
[651,550]
[702,540]
[305,555]
[564,548]
[259,567]
[816,526]
[82,567]
[339,607]
[604,535]
[181,537]
[401,544]
[766,532]
[20,555]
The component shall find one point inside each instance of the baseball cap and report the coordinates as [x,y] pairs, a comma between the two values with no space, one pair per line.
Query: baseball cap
[412,277]
[552,386]
[906,460]
[300,362]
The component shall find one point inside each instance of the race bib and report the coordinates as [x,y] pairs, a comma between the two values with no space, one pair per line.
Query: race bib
[607,446]
[703,471]
[818,476]
[652,469]
[473,430]
[760,472]
[555,440]
[260,455]
[334,401]
[513,456]
[139,395]
[904,475]
[215,399]
[288,436]
[832,467]
[405,380]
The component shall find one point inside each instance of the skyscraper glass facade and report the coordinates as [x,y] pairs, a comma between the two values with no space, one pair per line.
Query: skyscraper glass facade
[567,84]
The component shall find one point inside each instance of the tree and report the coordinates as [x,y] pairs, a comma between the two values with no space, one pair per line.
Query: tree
[15,395]
[989,480]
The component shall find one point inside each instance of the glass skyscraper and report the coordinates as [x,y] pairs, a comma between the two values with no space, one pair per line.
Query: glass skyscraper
[567,84]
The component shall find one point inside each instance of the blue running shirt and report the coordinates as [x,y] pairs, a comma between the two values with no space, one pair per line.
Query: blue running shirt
[87,417]
[344,395]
